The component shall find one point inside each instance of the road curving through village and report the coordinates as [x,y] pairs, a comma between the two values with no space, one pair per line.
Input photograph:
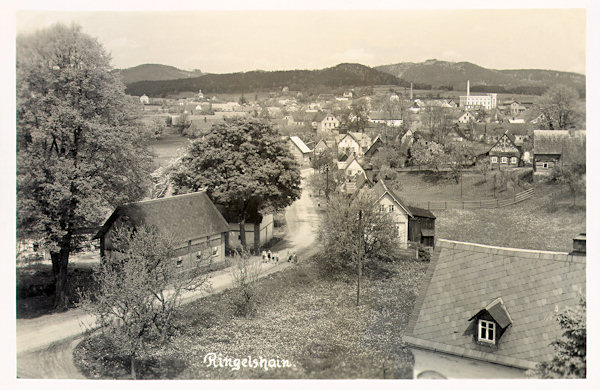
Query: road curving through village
[45,344]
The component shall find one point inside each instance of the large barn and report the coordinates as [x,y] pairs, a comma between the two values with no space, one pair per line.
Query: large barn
[193,220]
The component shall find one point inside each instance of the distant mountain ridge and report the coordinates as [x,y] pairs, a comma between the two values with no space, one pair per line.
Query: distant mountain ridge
[341,75]
[455,75]
[154,72]
[161,80]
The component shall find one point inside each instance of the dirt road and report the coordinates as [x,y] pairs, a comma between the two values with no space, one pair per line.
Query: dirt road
[45,344]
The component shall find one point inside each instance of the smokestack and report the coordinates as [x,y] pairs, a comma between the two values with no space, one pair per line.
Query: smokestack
[411,96]
[468,88]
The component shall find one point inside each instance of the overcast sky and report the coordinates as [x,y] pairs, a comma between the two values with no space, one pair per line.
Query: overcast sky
[232,41]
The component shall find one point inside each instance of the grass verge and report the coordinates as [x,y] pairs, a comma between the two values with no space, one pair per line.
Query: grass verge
[301,317]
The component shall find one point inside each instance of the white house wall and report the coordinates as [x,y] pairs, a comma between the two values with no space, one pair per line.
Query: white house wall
[399,217]
[454,367]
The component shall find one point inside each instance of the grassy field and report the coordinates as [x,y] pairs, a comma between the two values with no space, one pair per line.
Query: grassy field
[536,223]
[421,186]
[533,224]
[310,321]
[167,147]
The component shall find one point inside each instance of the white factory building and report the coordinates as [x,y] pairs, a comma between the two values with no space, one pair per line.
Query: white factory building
[474,102]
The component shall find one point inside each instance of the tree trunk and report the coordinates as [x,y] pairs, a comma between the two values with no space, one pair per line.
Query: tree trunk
[60,261]
[133,367]
[243,233]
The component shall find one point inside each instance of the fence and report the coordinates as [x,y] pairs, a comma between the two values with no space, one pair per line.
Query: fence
[475,204]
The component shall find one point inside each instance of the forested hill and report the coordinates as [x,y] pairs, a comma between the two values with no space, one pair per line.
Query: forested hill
[153,72]
[454,75]
[341,75]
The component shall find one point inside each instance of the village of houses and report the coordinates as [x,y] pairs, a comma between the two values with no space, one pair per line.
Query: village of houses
[482,310]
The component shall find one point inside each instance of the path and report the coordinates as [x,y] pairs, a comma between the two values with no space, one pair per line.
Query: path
[45,344]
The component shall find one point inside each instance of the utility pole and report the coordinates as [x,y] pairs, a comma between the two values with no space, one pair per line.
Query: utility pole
[327,182]
[360,238]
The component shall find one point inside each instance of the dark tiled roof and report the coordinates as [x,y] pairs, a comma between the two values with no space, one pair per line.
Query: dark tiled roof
[186,216]
[375,145]
[464,278]
[419,212]
[552,141]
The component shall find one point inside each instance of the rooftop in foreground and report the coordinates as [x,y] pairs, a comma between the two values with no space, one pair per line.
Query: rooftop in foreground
[464,278]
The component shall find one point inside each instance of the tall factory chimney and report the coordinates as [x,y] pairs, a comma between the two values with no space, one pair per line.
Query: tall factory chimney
[411,96]
[468,88]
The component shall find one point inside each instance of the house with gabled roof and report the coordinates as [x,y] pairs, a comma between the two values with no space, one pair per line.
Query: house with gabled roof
[299,150]
[374,147]
[505,153]
[348,144]
[413,224]
[325,146]
[192,219]
[363,140]
[391,203]
[381,117]
[466,117]
[549,145]
[327,122]
[488,312]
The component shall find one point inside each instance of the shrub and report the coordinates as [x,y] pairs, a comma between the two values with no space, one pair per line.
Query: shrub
[245,271]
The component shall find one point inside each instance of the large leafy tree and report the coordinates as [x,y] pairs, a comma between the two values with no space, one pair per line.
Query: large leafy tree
[558,107]
[355,117]
[355,227]
[243,164]
[79,146]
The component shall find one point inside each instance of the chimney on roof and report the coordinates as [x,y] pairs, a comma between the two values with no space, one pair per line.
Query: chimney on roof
[579,245]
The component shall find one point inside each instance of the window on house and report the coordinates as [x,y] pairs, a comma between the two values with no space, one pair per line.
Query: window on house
[494,159]
[391,208]
[215,251]
[179,262]
[487,331]
[504,160]
[513,160]
[545,165]
[382,208]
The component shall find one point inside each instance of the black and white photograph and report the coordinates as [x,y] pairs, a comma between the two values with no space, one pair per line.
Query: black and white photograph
[330,190]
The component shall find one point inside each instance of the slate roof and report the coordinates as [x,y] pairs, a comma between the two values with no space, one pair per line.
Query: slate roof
[300,144]
[463,278]
[186,216]
[552,141]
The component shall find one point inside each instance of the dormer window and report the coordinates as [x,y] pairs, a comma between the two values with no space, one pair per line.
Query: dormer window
[487,331]
[490,323]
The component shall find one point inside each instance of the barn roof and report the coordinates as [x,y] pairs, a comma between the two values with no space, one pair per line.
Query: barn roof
[300,144]
[464,278]
[419,212]
[186,216]
[552,141]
